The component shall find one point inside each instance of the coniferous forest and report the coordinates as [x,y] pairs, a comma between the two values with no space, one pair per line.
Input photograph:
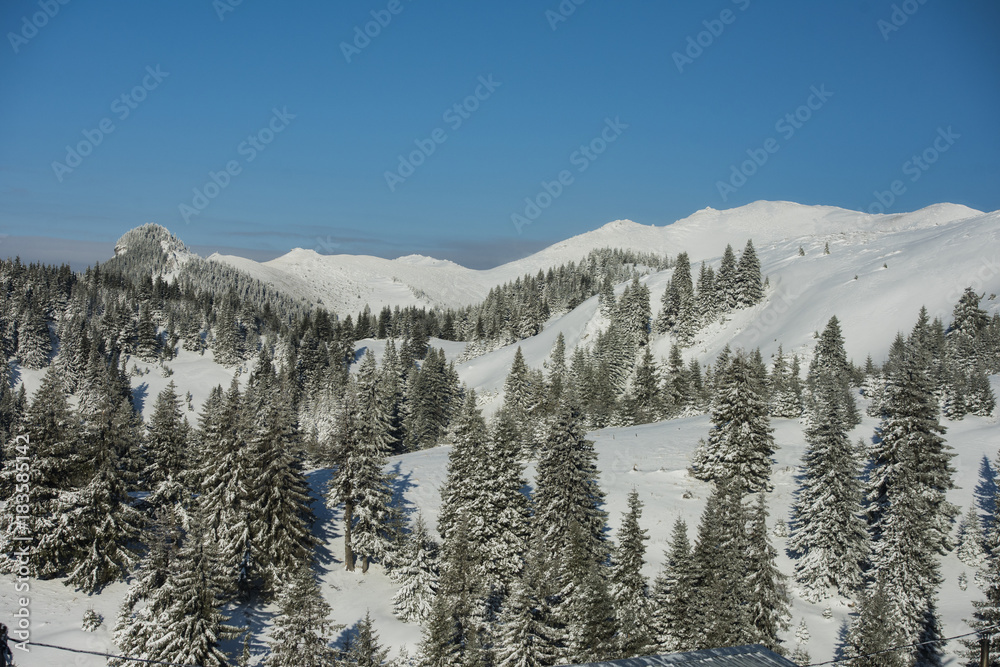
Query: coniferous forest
[201,512]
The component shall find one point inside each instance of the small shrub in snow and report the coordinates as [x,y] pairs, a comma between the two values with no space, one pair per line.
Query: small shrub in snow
[92,620]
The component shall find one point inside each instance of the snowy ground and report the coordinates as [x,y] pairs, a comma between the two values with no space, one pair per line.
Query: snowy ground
[901,262]
[651,458]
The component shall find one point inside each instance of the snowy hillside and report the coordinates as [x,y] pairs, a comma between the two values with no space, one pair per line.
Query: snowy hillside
[651,459]
[344,283]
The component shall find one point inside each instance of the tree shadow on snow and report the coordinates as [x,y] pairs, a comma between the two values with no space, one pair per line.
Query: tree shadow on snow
[325,518]
[248,615]
[401,483]
[985,491]
[139,395]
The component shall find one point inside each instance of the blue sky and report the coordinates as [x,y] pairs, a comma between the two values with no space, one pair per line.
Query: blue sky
[565,120]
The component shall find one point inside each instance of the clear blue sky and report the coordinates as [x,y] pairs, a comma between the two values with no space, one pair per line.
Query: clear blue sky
[321,181]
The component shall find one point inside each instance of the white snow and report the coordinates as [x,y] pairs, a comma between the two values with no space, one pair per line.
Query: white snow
[931,256]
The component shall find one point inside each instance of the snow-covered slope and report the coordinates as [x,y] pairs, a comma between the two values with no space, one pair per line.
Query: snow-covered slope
[345,283]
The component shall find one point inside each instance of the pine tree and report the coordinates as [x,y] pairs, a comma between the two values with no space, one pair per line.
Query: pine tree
[279,501]
[749,290]
[970,548]
[830,368]
[167,450]
[58,467]
[672,594]
[522,637]
[726,281]
[986,612]
[769,598]
[191,625]
[370,483]
[302,627]
[417,576]
[34,344]
[873,631]
[98,525]
[720,613]
[829,536]
[740,443]
[518,394]
[366,649]
[629,588]
[584,611]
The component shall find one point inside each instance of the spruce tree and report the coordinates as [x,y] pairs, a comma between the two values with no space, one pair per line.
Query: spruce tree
[721,612]
[769,600]
[417,576]
[740,443]
[302,628]
[831,369]
[98,525]
[829,536]
[366,650]
[672,594]
[191,625]
[167,452]
[58,467]
[725,281]
[986,612]
[370,483]
[873,631]
[749,290]
[629,588]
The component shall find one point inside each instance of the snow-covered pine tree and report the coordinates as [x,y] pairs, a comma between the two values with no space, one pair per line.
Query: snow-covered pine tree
[302,627]
[970,547]
[707,300]
[98,526]
[831,368]
[370,484]
[584,611]
[192,623]
[749,289]
[677,303]
[468,454]
[277,501]
[452,632]
[417,575]
[721,613]
[672,592]
[769,600]
[647,398]
[366,650]
[629,588]
[522,640]
[740,443]
[145,599]
[633,314]
[725,281]
[873,631]
[986,612]
[57,467]
[34,344]
[829,536]
[167,451]
[518,394]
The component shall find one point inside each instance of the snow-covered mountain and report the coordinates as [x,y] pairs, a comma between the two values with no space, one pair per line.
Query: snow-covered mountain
[344,283]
